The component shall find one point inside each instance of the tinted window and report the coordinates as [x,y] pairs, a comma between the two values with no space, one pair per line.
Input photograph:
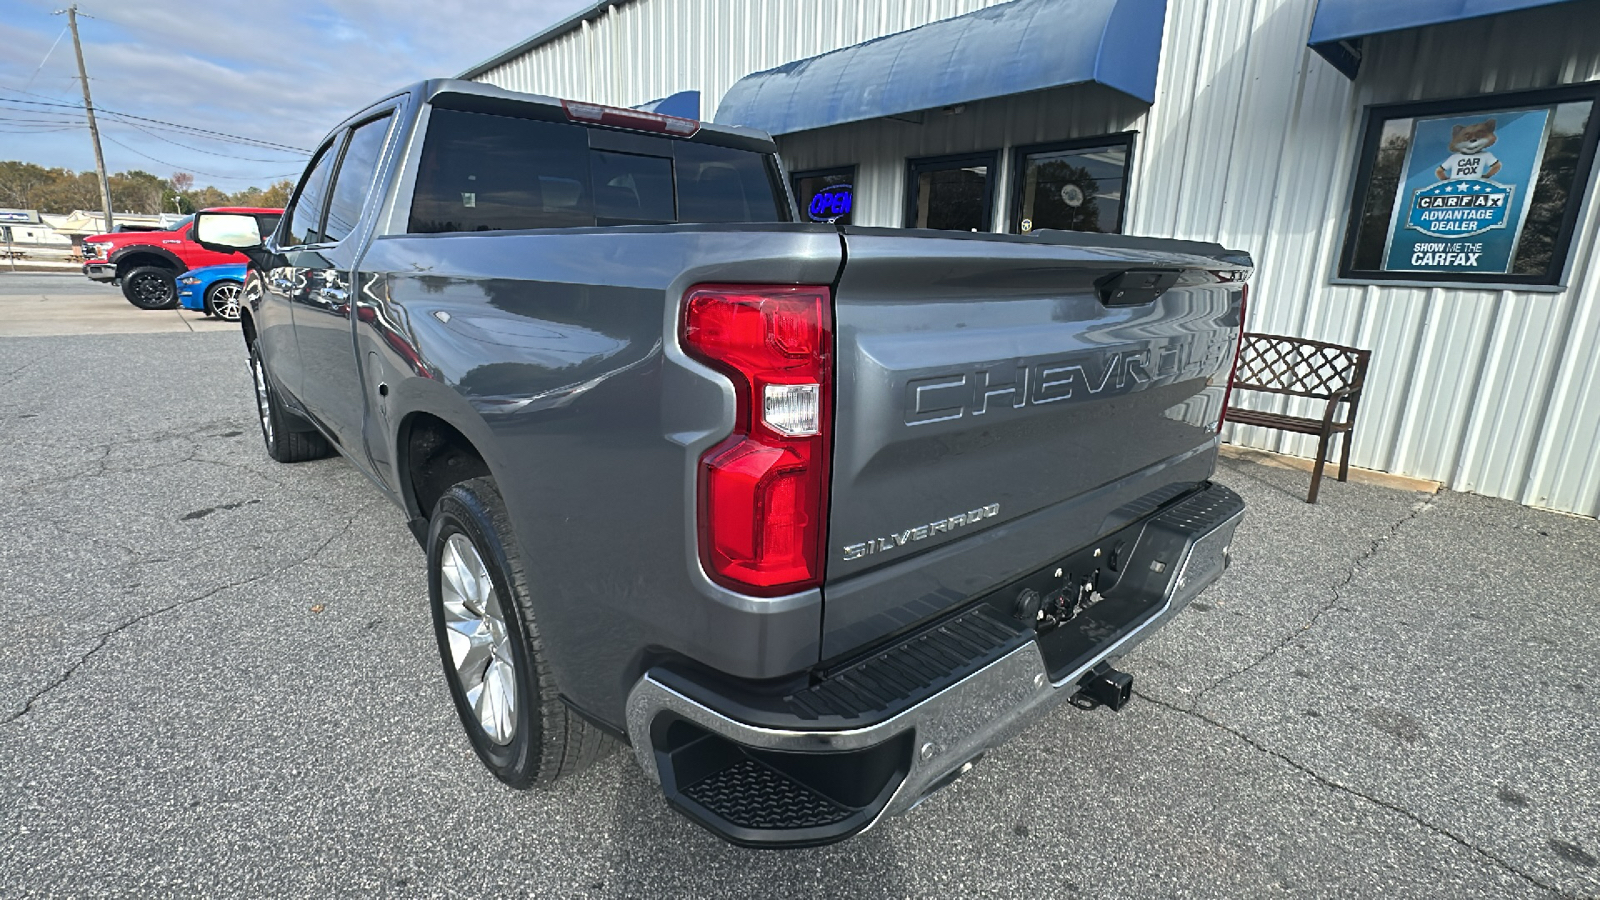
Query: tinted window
[484,172]
[631,189]
[953,193]
[1074,189]
[305,218]
[355,177]
[720,184]
[267,222]
[826,196]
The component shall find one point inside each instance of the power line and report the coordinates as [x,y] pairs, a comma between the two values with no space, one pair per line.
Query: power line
[205,131]
[198,149]
[46,56]
[197,171]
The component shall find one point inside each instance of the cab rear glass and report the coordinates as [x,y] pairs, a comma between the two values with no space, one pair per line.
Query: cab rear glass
[488,172]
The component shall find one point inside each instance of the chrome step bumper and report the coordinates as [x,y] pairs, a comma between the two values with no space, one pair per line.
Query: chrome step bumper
[950,728]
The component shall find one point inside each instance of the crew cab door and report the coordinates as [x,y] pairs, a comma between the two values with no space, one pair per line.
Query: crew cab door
[322,302]
[293,245]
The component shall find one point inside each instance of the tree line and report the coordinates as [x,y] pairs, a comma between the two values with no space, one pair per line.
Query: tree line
[59,191]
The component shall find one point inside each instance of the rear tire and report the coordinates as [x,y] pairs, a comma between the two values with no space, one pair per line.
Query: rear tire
[150,287]
[493,655]
[283,444]
[222,300]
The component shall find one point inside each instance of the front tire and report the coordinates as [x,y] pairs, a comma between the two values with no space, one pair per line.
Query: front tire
[150,287]
[222,300]
[493,655]
[283,444]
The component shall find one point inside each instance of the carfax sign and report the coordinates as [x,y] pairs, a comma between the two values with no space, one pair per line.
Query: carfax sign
[1464,194]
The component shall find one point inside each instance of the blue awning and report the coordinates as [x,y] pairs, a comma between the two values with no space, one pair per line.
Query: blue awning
[1025,45]
[1339,25]
[683,104]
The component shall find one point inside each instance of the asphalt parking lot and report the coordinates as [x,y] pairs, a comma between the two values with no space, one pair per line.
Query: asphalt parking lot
[219,680]
[66,303]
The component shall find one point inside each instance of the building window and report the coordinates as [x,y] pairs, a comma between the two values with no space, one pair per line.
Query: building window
[826,195]
[1483,189]
[955,193]
[1072,186]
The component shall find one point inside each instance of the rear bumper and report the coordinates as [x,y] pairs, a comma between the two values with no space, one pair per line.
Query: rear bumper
[758,795]
[100,271]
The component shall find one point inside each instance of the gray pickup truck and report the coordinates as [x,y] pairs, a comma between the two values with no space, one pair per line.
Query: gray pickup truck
[808,516]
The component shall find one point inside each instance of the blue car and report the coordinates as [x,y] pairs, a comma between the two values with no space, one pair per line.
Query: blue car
[213,290]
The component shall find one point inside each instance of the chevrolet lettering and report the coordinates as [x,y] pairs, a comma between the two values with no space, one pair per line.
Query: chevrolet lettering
[1021,383]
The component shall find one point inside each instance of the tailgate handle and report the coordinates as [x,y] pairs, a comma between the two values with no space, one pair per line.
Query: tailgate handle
[1135,287]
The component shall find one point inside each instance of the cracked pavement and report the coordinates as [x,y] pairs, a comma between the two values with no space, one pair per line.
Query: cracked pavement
[219,679]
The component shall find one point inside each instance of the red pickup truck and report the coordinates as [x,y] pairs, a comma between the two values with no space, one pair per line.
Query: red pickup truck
[148,263]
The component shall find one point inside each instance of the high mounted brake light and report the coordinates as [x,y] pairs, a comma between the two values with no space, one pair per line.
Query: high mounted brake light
[764,490]
[631,119]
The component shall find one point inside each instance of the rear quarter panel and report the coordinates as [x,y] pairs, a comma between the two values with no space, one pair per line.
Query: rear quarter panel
[555,353]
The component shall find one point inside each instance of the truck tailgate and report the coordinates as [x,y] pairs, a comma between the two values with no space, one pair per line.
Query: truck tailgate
[993,411]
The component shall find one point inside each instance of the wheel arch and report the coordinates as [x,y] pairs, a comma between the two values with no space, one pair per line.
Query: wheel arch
[247,324]
[146,255]
[432,454]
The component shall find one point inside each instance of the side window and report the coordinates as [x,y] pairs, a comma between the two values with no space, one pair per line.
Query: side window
[305,216]
[1081,186]
[267,222]
[951,192]
[351,184]
[482,172]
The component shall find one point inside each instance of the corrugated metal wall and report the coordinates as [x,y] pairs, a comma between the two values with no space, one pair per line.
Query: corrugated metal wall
[1251,143]
[642,50]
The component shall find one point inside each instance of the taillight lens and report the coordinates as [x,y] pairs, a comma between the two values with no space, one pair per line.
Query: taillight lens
[1233,366]
[764,490]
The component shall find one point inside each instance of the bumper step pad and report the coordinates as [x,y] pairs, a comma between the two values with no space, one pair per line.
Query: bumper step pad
[752,795]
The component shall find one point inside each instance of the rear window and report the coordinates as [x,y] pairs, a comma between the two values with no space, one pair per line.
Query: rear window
[484,172]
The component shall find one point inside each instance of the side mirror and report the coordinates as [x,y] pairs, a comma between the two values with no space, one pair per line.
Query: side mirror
[226,232]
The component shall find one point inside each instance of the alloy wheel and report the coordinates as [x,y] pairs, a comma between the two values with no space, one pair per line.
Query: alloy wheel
[151,289]
[263,399]
[225,301]
[480,644]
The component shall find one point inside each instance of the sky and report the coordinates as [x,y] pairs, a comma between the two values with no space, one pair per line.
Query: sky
[271,70]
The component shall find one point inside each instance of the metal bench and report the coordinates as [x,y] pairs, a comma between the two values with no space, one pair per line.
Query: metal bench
[1296,367]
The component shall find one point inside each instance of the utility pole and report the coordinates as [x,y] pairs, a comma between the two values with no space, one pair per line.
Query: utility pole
[88,107]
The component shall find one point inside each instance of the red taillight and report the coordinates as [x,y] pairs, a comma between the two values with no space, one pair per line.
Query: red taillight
[1233,365]
[631,119]
[764,490]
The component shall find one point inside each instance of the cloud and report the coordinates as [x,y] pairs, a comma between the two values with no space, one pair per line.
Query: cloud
[270,69]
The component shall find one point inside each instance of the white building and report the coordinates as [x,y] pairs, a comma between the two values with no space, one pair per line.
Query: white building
[27,227]
[1312,136]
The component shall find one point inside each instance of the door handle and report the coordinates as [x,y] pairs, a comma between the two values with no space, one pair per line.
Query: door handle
[336,300]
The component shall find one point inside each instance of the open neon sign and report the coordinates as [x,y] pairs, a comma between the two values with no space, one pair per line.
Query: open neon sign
[832,202]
